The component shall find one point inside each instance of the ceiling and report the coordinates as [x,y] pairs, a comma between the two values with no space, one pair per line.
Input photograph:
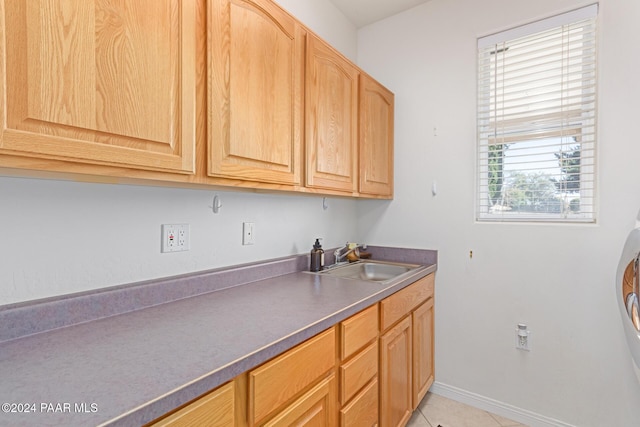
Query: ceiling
[364,12]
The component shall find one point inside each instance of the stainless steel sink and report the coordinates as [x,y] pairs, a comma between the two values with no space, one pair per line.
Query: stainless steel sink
[373,271]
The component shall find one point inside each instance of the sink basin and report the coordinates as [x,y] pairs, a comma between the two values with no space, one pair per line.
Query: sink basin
[373,271]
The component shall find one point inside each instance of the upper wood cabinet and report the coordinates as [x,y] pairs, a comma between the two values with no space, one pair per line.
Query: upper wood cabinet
[99,82]
[255,91]
[189,92]
[375,138]
[331,118]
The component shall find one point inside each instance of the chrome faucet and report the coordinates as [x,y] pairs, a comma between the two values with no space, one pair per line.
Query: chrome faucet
[339,256]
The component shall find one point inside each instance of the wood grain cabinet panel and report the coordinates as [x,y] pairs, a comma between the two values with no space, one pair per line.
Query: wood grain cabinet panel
[402,302]
[357,372]
[204,92]
[395,375]
[316,408]
[215,409]
[255,91]
[423,346]
[331,118]
[362,411]
[274,383]
[358,330]
[96,82]
[406,350]
[376,116]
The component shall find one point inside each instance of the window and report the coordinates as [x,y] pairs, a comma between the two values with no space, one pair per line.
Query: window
[537,121]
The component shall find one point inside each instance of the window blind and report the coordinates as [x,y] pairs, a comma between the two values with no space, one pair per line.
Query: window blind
[537,121]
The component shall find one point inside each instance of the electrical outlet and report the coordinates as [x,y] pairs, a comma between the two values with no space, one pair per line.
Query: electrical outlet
[248,236]
[175,237]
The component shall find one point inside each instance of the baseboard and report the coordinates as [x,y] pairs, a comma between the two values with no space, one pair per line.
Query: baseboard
[523,416]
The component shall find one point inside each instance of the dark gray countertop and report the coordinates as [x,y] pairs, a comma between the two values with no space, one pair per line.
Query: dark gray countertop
[131,368]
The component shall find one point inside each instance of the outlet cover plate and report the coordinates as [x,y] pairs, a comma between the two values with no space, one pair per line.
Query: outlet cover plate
[175,238]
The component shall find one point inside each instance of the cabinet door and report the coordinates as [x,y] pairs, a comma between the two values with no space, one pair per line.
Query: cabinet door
[331,118]
[255,99]
[375,138]
[100,82]
[422,350]
[395,375]
[316,408]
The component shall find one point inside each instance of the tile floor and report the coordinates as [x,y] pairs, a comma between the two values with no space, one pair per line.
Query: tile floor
[438,411]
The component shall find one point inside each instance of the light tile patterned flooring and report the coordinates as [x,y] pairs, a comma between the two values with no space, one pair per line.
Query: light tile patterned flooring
[435,410]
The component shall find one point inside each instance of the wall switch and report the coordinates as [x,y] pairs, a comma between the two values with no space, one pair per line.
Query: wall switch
[248,236]
[523,337]
[175,238]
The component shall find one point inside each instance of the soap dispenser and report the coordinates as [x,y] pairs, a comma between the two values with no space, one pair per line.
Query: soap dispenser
[317,257]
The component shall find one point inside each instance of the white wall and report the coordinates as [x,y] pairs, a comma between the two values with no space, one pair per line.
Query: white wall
[62,237]
[558,279]
[324,19]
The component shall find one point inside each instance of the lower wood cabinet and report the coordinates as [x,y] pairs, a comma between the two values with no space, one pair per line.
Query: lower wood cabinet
[370,370]
[275,383]
[395,375]
[317,407]
[423,340]
[357,331]
[215,409]
[362,411]
[358,370]
[406,351]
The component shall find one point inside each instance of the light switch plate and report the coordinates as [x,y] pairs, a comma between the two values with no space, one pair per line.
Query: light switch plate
[175,237]
[248,236]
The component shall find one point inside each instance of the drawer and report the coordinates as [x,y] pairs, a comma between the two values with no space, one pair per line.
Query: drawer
[357,372]
[317,407]
[277,381]
[363,410]
[358,330]
[402,302]
[214,409]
